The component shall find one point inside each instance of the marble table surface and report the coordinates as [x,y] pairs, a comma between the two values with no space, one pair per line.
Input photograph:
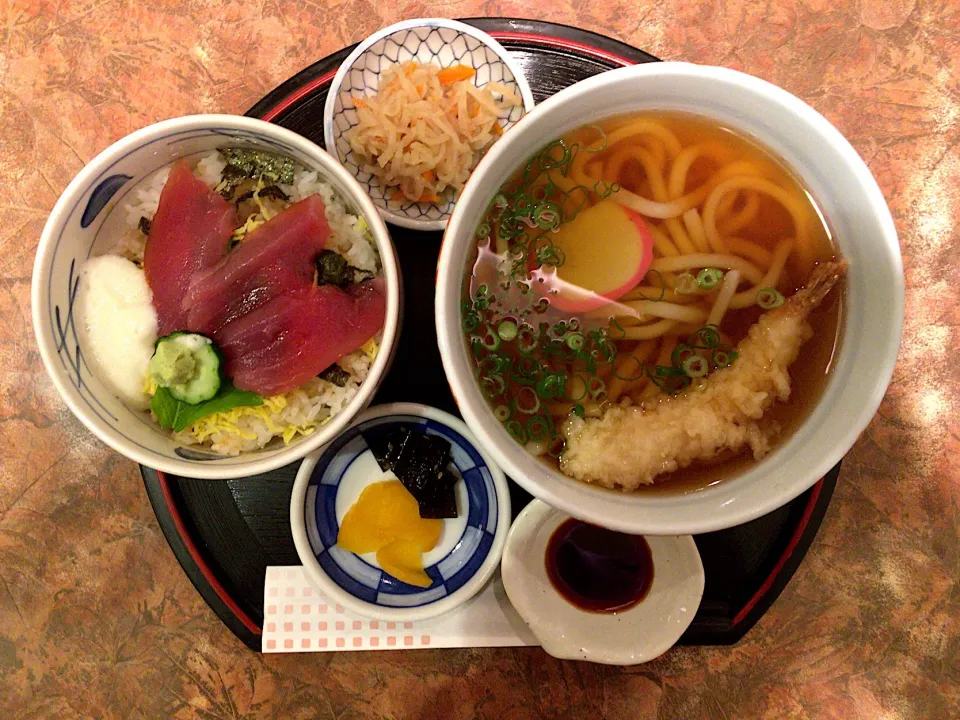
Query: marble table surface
[97,620]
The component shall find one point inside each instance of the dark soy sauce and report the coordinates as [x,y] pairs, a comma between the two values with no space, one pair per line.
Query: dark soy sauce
[599,570]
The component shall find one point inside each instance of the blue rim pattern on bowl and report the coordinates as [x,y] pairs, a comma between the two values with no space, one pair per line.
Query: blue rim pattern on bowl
[103,195]
[443,42]
[366,582]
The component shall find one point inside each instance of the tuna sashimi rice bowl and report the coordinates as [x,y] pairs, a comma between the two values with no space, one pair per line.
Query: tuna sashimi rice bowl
[242,307]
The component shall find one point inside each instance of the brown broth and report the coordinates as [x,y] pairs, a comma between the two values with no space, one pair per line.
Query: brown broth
[809,374]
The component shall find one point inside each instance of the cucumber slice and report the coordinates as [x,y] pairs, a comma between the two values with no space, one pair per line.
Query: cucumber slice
[188,365]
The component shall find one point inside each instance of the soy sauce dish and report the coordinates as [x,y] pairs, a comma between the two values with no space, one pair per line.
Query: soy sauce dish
[594,594]
[403,516]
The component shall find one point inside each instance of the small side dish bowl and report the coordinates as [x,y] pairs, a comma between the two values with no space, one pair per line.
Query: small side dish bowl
[428,40]
[470,546]
[85,223]
[629,637]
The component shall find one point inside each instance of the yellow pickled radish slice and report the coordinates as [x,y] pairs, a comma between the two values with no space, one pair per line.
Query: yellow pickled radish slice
[385,516]
[404,560]
[383,512]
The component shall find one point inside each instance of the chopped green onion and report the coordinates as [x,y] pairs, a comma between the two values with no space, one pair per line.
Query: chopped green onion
[597,388]
[663,285]
[685,284]
[471,321]
[527,339]
[723,356]
[527,401]
[603,189]
[558,330]
[695,366]
[547,162]
[615,324]
[516,430]
[507,330]
[769,298]
[556,447]
[537,428]
[707,338]
[551,386]
[546,216]
[575,341]
[602,141]
[577,410]
[502,413]
[680,353]
[493,385]
[490,340]
[709,278]
[624,373]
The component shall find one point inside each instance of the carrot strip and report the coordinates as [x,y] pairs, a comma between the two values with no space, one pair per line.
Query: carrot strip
[359,102]
[429,197]
[396,195]
[455,73]
[496,129]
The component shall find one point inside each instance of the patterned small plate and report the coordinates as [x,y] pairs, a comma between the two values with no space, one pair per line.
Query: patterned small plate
[437,40]
[470,546]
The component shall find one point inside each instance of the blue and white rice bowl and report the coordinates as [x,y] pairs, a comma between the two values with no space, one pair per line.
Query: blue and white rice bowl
[429,40]
[87,220]
[330,482]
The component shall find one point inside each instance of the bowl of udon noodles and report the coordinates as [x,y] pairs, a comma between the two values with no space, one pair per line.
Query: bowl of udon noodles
[670,299]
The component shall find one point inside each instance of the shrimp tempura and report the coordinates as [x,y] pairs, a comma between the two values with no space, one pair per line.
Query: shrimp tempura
[630,446]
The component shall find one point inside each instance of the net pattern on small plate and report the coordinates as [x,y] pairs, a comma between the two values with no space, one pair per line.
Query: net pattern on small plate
[441,46]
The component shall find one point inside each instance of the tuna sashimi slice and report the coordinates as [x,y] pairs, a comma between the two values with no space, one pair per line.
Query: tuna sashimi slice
[275,259]
[190,232]
[294,337]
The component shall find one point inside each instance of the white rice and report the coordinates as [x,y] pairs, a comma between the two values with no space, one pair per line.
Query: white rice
[348,232]
[313,403]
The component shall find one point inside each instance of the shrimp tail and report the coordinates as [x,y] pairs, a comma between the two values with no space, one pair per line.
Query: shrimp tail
[822,280]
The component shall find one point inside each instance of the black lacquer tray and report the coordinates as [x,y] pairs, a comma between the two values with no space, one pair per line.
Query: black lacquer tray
[226,532]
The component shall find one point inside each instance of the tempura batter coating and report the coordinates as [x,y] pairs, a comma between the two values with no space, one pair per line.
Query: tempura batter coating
[630,446]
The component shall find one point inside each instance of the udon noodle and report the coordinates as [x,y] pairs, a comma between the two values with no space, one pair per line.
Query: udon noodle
[624,263]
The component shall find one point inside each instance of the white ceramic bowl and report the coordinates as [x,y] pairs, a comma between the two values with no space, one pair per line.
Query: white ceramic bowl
[857,214]
[470,546]
[437,40]
[629,637]
[85,222]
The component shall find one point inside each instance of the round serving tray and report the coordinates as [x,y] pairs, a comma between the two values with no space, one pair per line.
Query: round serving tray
[226,532]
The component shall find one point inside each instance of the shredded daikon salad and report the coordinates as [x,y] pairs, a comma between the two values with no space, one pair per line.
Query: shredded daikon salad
[423,132]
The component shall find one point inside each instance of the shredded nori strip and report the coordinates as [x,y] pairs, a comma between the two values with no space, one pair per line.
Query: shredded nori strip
[333,269]
[260,165]
[420,462]
[336,375]
[271,191]
[144,225]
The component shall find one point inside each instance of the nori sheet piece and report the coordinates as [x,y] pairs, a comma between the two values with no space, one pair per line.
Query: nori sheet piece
[420,462]
[338,376]
[385,449]
[441,501]
[333,269]
[271,191]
